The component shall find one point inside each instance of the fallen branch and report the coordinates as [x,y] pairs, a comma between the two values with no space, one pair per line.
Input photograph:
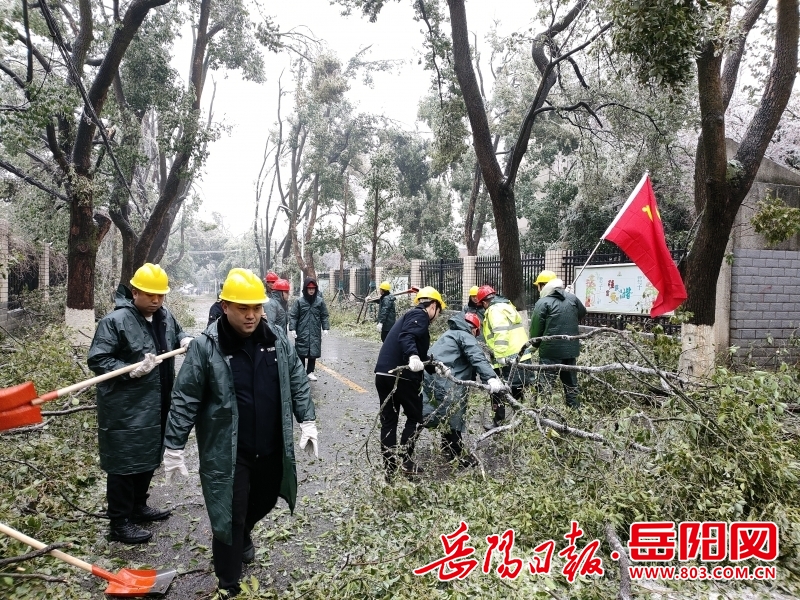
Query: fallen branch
[69,411]
[34,554]
[624,564]
[41,576]
[559,427]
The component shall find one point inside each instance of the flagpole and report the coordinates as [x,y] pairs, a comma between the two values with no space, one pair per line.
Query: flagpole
[630,199]
[575,279]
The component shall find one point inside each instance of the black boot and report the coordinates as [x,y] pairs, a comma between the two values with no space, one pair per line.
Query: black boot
[248,550]
[451,445]
[122,530]
[143,513]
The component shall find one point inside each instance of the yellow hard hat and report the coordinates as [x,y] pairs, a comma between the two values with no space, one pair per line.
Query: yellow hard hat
[545,276]
[243,287]
[385,286]
[432,293]
[473,291]
[151,279]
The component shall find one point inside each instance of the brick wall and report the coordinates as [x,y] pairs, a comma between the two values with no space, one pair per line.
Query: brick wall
[765,303]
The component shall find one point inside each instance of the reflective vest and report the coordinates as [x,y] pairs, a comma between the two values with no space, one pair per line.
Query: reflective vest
[504,331]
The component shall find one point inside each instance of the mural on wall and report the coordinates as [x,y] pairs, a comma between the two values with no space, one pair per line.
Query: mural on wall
[619,289]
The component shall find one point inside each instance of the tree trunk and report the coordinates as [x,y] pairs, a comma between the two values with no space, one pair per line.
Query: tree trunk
[87,229]
[375,224]
[502,195]
[721,192]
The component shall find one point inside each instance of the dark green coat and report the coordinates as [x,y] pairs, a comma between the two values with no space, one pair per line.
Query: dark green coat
[204,397]
[557,314]
[308,320]
[459,350]
[387,314]
[275,312]
[129,410]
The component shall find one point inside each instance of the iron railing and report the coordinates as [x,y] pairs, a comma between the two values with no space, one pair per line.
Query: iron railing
[341,281]
[642,322]
[487,272]
[447,277]
[364,283]
[24,276]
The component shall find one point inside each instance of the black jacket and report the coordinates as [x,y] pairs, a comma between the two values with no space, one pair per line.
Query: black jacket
[254,368]
[408,336]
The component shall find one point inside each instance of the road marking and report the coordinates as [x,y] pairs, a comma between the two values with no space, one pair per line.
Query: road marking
[344,380]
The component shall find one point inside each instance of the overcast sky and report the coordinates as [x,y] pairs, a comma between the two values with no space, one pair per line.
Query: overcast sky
[249,109]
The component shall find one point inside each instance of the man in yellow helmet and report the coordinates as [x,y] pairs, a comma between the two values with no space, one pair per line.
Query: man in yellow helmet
[239,386]
[406,345]
[557,312]
[132,409]
[387,313]
[505,336]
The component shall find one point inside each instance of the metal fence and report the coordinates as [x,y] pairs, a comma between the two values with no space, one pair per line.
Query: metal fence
[446,276]
[609,254]
[341,281]
[364,283]
[487,272]
[24,276]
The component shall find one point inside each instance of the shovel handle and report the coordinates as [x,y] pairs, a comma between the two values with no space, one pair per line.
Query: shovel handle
[21,537]
[90,382]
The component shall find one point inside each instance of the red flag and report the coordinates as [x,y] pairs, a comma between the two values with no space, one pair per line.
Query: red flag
[638,231]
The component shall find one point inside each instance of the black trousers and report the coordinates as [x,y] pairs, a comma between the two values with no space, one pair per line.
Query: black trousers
[384,333]
[312,362]
[408,395]
[123,492]
[569,379]
[256,484]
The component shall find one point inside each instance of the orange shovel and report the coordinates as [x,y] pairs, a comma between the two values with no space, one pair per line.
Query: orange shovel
[128,583]
[19,405]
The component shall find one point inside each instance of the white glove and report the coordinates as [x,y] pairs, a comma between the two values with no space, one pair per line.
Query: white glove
[185,341]
[570,288]
[174,463]
[325,331]
[415,364]
[379,326]
[443,370]
[150,362]
[308,433]
[501,361]
[293,334]
[495,385]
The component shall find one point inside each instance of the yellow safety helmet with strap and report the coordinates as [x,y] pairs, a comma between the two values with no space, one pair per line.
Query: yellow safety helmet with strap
[242,286]
[473,291]
[430,293]
[151,279]
[544,277]
[386,286]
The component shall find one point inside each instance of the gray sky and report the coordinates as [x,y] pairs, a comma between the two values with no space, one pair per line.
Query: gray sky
[249,109]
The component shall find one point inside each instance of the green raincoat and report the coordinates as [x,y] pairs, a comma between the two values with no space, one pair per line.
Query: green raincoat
[129,410]
[442,399]
[308,319]
[204,396]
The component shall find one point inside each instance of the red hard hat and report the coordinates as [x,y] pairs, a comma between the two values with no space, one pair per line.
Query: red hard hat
[281,285]
[473,320]
[271,277]
[484,291]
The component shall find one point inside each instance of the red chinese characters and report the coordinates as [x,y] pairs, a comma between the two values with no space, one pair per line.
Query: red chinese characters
[585,563]
[652,541]
[511,567]
[452,566]
[754,540]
